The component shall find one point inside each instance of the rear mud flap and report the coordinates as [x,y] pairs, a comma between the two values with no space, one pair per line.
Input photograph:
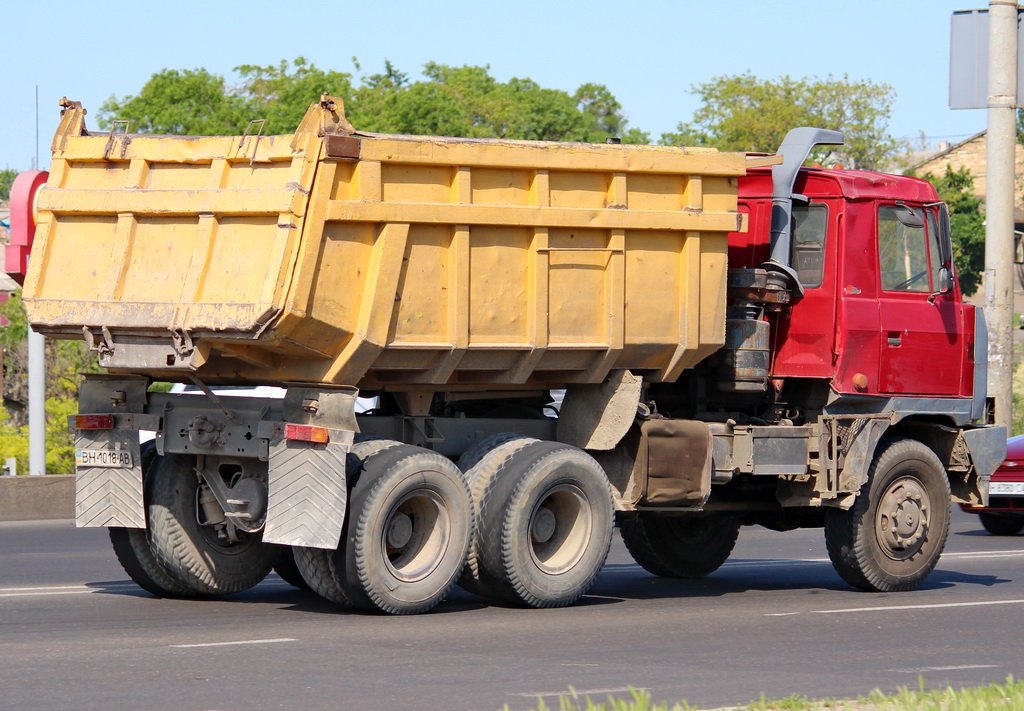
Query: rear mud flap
[307,491]
[106,495]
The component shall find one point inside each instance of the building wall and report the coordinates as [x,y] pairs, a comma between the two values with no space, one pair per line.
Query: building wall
[969,154]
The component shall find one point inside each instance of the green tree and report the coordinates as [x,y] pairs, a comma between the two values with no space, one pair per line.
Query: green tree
[745,113]
[66,360]
[956,189]
[7,176]
[453,101]
[183,102]
[281,93]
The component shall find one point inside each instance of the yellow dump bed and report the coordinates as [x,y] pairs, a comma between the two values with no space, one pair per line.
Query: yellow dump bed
[407,262]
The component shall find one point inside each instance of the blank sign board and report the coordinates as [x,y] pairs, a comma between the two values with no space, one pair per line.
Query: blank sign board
[968,60]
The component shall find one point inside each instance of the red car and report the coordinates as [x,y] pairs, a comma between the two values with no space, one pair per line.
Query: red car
[1004,515]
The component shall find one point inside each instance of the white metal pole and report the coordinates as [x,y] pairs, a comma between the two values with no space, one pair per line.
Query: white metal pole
[36,378]
[36,403]
[1000,155]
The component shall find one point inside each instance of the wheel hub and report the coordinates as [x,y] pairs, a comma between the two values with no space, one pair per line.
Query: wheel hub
[416,535]
[902,521]
[560,529]
[399,530]
[543,525]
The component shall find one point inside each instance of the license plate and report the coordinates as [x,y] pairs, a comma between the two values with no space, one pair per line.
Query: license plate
[107,458]
[1006,488]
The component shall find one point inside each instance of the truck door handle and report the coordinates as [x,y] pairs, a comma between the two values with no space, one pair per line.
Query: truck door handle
[895,340]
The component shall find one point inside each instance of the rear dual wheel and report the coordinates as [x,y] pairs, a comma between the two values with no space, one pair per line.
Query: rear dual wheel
[545,525]
[406,532]
[194,553]
[133,550]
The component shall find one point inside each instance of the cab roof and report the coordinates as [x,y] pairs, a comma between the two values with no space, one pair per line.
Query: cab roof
[851,184]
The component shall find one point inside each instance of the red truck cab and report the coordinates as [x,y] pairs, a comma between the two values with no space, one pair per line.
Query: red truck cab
[880,314]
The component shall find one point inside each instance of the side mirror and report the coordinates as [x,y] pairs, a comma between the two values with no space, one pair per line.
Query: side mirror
[945,236]
[945,280]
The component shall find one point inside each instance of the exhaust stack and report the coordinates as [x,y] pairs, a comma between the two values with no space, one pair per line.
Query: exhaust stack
[794,149]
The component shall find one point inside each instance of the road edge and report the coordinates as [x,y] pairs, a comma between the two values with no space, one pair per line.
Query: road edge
[33,498]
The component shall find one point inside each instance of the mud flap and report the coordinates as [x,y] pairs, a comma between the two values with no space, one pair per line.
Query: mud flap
[307,491]
[108,495]
[988,448]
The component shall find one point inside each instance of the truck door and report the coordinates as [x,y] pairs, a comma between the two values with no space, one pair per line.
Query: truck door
[921,318]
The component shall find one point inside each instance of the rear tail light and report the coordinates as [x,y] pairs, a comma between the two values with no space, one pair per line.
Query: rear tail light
[307,433]
[94,422]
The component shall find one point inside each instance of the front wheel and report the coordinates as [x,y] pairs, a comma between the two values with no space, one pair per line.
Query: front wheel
[891,538]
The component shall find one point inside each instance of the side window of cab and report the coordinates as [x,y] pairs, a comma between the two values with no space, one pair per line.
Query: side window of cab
[914,253]
[810,227]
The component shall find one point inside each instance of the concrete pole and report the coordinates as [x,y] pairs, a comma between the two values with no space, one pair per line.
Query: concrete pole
[36,403]
[1000,154]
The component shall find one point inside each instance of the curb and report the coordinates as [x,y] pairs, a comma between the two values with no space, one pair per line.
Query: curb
[34,498]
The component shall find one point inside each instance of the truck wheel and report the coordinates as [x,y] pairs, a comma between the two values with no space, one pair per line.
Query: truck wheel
[133,552]
[406,533]
[317,565]
[680,546]
[545,526]
[1002,524]
[317,569]
[893,535]
[472,456]
[191,552]
[288,570]
[487,465]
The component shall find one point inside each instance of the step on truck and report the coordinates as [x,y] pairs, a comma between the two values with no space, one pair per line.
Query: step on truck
[560,337]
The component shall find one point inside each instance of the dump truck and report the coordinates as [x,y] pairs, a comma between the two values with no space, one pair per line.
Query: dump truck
[560,338]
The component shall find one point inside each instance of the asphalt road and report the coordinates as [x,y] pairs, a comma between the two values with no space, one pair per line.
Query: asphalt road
[776,619]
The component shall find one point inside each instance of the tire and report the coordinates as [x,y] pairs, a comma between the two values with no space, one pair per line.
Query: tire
[317,565]
[192,553]
[406,533]
[680,546]
[906,485]
[545,526]
[485,467]
[133,552]
[472,456]
[288,570]
[1002,524]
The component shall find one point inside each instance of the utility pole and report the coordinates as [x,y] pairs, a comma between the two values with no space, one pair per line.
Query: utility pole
[36,378]
[999,199]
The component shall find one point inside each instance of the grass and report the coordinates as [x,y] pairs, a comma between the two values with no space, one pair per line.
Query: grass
[1008,696]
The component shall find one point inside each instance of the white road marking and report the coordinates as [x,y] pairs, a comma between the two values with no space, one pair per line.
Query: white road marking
[41,594]
[956,668]
[578,693]
[929,606]
[98,588]
[782,563]
[230,644]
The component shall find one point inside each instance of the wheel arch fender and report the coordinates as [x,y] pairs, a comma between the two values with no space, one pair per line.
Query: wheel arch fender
[968,455]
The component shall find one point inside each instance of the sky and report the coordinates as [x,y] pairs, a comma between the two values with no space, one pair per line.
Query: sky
[649,53]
